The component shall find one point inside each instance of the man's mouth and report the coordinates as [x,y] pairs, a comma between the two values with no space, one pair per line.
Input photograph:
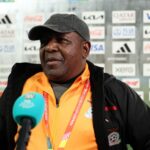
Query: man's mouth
[52,61]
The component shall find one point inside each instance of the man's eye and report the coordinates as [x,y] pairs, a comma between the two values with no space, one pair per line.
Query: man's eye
[63,41]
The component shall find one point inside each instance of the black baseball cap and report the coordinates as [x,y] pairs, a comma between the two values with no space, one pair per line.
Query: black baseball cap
[62,23]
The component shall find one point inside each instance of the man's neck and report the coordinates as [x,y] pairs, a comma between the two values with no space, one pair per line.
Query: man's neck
[67,81]
[60,87]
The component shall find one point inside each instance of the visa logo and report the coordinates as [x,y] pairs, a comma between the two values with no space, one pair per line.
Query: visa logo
[97,48]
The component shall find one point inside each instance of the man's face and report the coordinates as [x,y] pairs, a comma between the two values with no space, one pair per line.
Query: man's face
[63,55]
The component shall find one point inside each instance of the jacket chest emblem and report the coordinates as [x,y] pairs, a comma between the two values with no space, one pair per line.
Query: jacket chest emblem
[114,138]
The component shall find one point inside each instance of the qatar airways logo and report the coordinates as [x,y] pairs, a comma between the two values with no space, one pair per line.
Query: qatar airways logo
[7,33]
[132,82]
[120,17]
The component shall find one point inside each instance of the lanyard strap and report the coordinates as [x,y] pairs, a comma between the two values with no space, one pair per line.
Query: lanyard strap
[46,113]
[46,116]
[73,118]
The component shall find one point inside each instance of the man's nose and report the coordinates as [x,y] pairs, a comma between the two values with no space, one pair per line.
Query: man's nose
[52,45]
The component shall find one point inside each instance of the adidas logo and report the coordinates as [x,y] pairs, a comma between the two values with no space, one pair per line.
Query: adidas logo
[5,20]
[124,49]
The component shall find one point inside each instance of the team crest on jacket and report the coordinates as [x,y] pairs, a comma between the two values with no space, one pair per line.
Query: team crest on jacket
[114,138]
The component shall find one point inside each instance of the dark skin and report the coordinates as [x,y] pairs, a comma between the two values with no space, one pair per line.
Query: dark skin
[63,55]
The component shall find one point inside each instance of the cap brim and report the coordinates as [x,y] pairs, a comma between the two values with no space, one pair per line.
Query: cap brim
[38,31]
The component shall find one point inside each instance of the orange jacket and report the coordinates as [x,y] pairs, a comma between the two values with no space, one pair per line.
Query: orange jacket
[82,135]
[119,116]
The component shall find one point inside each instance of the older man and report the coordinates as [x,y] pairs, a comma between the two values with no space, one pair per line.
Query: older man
[86,109]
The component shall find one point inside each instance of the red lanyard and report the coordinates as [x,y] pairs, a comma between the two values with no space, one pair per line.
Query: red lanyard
[46,113]
[74,116]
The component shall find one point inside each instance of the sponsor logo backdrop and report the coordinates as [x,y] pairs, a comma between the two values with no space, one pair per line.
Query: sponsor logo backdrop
[120,36]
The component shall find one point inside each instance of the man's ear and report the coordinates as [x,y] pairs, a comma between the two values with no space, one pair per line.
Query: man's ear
[86,49]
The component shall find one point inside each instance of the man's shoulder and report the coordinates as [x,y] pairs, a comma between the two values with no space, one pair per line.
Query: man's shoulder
[28,67]
[108,78]
[24,70]
[97,72]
